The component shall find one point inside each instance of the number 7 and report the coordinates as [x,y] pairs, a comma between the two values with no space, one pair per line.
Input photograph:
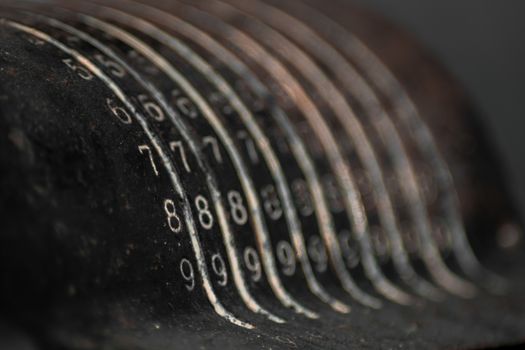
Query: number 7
[178,144]
[146,148]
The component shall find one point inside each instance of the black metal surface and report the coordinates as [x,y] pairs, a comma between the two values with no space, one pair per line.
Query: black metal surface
[143,165]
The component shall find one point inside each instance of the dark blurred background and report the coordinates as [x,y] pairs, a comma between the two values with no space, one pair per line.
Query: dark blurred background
[482,42]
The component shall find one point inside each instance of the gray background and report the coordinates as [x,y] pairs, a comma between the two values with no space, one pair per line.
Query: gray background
[482,42]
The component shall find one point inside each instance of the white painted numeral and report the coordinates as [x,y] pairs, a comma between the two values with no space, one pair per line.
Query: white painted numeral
[271,202]
[205,216]
[120,112]
[218,99]
[147,149]
[177,145]
[212,142]
[238,210]
[286,257]
[350,251]
[317,253]
[172,218]
[185,105]
[114,68]
[333,194]
[219,267]
[186,270]
[302,197]
[82,72]
[250,146]
[252,262]
[380,243]
[151,108]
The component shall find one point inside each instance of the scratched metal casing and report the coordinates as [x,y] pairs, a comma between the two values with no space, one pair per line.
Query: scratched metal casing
[255,174]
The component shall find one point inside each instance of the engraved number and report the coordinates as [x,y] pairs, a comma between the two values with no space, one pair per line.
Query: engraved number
[238,210]
[177,145]
[186,270]
[147,149]
[212,141]
[119,112]
[82,72]
[286,257]
[185,105]
[115,68]
[317,253]
[172,218]
[252,262]
[250,146]
[302,197]
[152,108]
[349,249]
[205,216]
[271,202]
[219,267]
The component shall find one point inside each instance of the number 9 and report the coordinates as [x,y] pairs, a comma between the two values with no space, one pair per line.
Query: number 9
[186,270]
[286,257]
[317,253]
[219,268]
[252,262]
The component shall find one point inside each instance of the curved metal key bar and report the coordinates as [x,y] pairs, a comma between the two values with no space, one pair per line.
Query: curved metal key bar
[380,122]
[411,119]
[295,145]
[367,155]
[157,144]
[353,203]
[228,241]
[288,301]
[263,146]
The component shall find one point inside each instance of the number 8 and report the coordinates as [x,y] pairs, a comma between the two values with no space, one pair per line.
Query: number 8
[238,211]
[171,216]
[205,217]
